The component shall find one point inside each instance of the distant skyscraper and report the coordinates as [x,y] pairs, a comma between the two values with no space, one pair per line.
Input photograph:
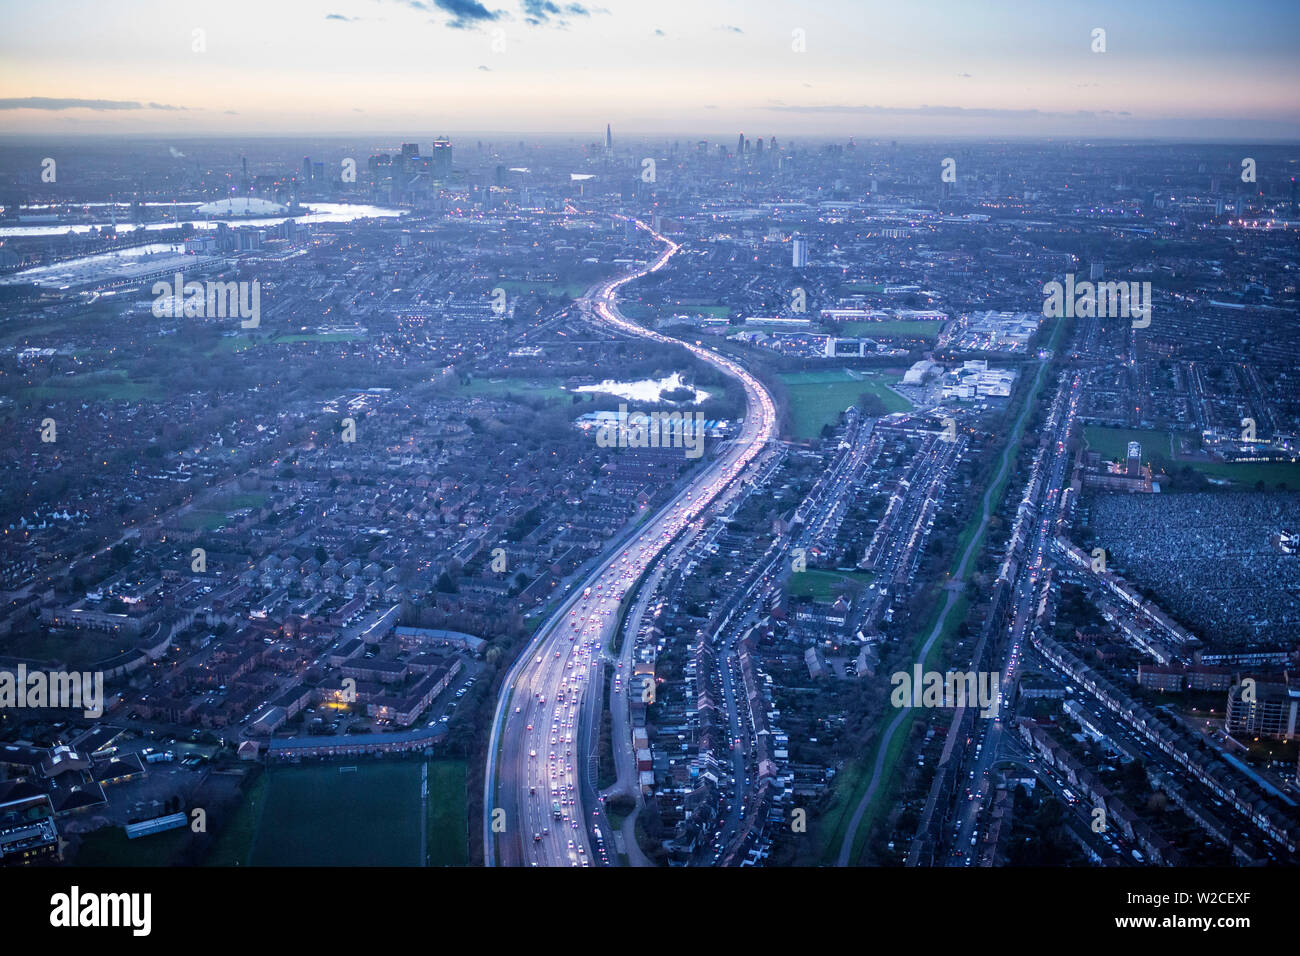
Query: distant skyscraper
[1133,466]
[609,139]
[306,169]
[740,145]
[800,254]
[442,158]
[759,147]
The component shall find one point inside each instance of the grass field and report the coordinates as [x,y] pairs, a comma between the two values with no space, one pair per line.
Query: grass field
[329,816]
[201,520]
[820,585]
[925,329]
[568,290]
[235,839]
[315,337]
[369,815]
[524,388]
[1158,450]
[78,649]
[448,837]
[108,846]
[95,386]
[818,398]
[244,343]
[248,499]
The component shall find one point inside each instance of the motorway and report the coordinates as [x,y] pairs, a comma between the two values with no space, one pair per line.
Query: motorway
[541,764]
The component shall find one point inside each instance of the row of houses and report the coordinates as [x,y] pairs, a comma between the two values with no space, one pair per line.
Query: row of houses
[1205,765]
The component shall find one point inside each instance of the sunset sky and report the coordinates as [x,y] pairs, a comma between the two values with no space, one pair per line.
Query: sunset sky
[1172,68]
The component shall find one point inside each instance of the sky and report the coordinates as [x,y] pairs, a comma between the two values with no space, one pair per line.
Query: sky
[1170,69]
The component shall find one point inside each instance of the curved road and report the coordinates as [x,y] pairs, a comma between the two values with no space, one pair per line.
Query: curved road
[542,751]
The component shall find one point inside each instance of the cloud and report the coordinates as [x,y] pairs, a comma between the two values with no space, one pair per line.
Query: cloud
[541,12]
[339,16]
[176,153]
[660,33]
[731,29]
[72,103]
[963,76]
[485,69]
[537,12]
[466,14]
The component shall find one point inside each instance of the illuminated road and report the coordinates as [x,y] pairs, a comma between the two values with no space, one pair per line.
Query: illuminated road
[541,756]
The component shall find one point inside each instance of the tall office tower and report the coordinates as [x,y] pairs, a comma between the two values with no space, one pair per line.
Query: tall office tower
[410,156]
[306,169]
[442,158]
[318,172]
[500,176]
[771,141]
[243,160]
[609,139]
[759,148]
[1133,465]
[800,255]
[740,145]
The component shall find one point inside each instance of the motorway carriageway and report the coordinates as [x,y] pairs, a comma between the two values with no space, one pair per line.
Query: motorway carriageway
[541,755]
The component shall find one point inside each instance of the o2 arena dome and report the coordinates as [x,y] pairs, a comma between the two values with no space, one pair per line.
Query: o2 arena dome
[240,207]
